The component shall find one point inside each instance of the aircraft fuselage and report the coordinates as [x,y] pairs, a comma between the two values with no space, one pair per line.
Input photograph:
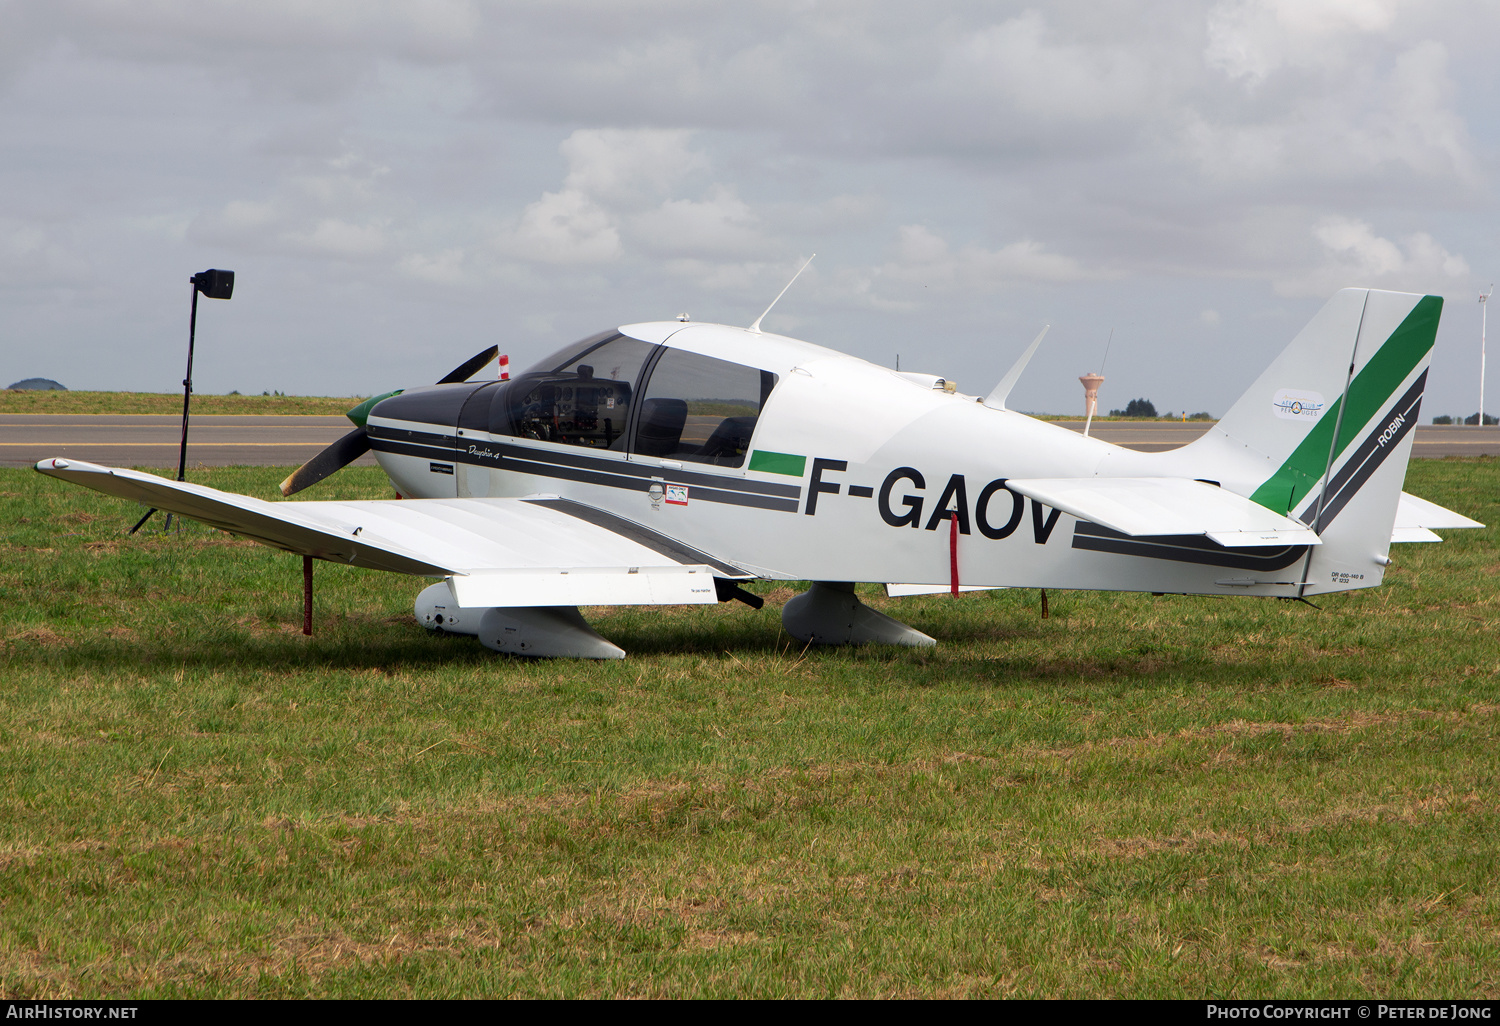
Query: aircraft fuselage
[853,473]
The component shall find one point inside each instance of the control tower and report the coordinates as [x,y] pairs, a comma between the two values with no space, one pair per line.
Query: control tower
[1091,383]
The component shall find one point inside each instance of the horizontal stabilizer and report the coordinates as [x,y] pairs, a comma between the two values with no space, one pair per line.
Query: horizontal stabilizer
[1151,506]
[1416,518]
[1401,535]
[539,551]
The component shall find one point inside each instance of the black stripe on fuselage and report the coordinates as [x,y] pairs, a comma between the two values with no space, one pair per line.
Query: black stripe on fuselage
[1185,548]
[569,466]
[394,434]
[653,540]
[1367,459]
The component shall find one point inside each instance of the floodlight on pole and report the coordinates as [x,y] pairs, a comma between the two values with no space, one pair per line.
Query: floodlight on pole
[214,284]
[1483,310]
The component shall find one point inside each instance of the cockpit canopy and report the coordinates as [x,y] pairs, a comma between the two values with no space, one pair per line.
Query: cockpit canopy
[611,391]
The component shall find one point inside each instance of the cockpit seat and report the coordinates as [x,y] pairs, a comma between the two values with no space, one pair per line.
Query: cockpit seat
[730,439]
[661,424]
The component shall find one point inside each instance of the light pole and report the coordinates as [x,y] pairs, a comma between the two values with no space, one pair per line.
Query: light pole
[214,284]
[1483,310]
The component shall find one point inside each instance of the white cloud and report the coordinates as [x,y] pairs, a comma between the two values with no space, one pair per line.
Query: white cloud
[33,255]
[722,225]
[1248,40]
[618,199]
[296,41]
[1353,255]
[1421,125]
[628,167]
[923,258]
[334,237]
[566,227]
[333,209]
[447,267]
[1021,69]
[1400,130]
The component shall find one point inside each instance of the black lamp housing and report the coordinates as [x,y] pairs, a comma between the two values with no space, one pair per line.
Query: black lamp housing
[215,284]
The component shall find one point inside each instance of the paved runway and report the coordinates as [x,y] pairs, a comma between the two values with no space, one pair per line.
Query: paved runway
[151,441]
[1434,441]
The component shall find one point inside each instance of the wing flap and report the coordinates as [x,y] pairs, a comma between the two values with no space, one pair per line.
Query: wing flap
[909,590]
[1149,506]
[496,552]
[592,586]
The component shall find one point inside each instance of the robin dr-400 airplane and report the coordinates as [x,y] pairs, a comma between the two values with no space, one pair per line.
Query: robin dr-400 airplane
[667,463]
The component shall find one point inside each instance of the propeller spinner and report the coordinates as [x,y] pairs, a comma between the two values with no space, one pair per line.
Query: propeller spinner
[357,442]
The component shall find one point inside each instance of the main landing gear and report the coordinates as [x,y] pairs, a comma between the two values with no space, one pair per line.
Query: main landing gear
[828,613]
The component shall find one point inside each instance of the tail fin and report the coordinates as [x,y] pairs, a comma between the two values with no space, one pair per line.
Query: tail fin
[1324,435]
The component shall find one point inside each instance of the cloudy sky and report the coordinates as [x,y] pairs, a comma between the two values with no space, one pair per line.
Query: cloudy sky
[399,184]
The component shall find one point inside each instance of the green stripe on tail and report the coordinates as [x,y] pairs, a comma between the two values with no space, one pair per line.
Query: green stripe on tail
[1371,389]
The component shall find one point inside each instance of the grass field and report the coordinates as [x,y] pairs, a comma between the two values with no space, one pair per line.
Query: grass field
[170,404]
[1136,797]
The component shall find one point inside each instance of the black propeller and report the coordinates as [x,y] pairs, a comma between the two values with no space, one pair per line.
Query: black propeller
[465,370]
[336,457]
[357,442]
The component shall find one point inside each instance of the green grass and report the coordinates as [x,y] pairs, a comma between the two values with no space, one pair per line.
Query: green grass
[167,403]
[1173,797]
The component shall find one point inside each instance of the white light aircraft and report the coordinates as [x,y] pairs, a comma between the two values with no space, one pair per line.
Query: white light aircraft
[670,462]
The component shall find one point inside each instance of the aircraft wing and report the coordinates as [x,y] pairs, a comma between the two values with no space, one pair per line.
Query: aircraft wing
[1415,519]
[534,551]
[1146,506]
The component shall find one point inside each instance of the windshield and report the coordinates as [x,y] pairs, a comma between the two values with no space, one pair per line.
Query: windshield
[579,396]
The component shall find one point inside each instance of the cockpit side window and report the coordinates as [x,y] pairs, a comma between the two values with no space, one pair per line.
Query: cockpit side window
[700,409]
[581,396]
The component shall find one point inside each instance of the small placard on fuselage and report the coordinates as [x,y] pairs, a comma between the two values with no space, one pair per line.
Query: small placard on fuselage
[440,468]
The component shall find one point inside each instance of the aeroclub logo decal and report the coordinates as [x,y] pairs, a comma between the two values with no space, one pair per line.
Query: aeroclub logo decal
[1297,404]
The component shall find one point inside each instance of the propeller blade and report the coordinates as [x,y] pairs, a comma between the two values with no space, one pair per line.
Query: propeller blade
[357,442]
[337,456]
[466,370]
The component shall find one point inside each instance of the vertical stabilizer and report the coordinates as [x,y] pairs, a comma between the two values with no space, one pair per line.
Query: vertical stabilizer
[1325,433]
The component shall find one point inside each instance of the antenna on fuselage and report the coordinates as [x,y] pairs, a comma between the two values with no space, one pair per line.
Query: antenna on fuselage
[1091,383]
[756,326]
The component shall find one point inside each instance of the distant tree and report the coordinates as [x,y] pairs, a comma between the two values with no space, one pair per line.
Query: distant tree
[1136,408]
[1473,419]
[1201,416]
[1444,419]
